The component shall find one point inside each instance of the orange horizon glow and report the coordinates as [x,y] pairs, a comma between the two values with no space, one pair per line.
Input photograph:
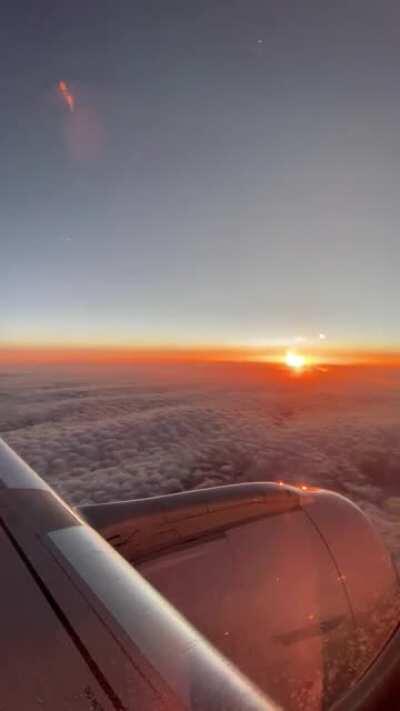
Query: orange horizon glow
[106,354]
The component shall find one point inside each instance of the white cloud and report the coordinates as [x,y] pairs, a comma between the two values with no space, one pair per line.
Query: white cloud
[111,437]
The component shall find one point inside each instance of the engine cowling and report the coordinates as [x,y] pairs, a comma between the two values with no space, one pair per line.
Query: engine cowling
[293,585]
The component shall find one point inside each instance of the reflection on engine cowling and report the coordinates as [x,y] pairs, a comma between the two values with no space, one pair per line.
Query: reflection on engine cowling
[294,586]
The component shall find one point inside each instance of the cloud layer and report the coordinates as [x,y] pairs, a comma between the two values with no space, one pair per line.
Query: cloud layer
[104,436]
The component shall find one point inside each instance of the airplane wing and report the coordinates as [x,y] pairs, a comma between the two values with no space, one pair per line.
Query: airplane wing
[81,629]
[140,604]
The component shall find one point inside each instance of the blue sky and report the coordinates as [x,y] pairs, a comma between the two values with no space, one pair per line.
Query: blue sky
[230,172]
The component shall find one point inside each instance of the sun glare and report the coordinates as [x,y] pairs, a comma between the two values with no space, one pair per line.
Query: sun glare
[294,360]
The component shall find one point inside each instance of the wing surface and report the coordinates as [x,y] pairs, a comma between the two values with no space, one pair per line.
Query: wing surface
[82,629]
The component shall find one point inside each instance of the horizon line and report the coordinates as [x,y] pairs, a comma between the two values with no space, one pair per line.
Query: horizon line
[107,353]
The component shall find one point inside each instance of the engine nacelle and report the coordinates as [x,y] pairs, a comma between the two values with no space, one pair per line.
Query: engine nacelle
[293,585]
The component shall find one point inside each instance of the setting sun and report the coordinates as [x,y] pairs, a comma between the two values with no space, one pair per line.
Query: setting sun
[295,360]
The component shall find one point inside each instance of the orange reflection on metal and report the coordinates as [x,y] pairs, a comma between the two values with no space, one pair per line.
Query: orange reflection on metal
[308,487]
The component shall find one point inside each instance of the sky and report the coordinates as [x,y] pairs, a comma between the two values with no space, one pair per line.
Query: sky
[229,174]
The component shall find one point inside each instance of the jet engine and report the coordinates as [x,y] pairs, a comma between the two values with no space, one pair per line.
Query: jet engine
[294,585]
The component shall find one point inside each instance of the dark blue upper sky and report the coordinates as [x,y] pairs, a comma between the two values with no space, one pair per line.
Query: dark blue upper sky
[230,173]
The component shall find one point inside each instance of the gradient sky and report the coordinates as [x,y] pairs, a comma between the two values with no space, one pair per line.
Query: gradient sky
[230,174]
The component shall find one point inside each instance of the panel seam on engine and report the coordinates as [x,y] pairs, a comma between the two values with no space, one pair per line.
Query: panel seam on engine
[340,577]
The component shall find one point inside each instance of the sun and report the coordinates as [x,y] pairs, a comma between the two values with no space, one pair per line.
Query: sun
[294,360]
